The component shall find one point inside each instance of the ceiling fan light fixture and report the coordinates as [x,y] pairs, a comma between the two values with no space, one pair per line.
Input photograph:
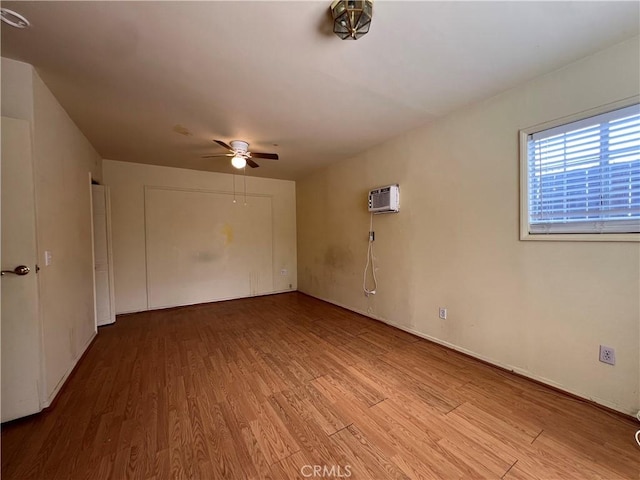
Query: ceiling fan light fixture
[239,146]
[241,156]
[351,18]
[13,18]
[239,162]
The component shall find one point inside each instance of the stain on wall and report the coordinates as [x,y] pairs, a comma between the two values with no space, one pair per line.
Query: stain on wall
[338,257]
[206,257]
[227,231]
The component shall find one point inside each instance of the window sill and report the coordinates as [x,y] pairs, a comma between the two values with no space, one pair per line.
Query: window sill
[581,237]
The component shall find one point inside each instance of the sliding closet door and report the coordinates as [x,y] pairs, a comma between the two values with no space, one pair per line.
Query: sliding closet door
[202,247]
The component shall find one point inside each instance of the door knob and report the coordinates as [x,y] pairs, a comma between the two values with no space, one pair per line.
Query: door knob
[19,270]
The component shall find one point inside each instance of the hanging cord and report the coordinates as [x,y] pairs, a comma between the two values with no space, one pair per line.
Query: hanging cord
[244,175]
[234,188]
[370,260]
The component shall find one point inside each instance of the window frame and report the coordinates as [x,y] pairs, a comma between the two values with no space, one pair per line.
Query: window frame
[524,179]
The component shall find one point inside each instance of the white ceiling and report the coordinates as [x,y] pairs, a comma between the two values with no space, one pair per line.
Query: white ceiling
[132,73]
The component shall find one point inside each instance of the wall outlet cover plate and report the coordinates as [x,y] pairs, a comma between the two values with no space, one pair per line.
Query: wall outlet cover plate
[607,355]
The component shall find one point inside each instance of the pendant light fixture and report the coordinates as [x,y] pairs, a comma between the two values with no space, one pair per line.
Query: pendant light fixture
[351,18]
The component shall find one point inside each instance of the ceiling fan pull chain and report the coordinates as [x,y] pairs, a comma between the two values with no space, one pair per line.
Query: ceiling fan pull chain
[234,188]
[244,170]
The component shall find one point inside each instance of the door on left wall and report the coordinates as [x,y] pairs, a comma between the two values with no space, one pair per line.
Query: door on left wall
[20,327]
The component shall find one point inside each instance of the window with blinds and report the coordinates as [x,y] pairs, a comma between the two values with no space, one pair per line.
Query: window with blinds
[584,176]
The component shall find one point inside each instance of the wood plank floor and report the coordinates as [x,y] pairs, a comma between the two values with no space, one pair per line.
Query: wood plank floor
[270,387]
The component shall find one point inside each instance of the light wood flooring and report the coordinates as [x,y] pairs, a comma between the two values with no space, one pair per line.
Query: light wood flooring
[270,387]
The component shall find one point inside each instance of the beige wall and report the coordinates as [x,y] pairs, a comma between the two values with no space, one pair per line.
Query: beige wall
[540,308]
[62,161]
[127,182]
[17,89]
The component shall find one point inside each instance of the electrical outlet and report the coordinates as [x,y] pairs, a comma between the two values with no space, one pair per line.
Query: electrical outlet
[284,272]
[442,313]
[607,355]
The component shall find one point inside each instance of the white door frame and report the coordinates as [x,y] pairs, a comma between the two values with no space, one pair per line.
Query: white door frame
[112,298]
[93,257]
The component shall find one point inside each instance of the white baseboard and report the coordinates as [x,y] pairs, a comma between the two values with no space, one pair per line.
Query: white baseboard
[224,299]
[518,370]
[48,401]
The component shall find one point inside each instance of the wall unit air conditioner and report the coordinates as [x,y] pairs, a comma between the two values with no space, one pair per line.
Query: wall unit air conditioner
[385,199]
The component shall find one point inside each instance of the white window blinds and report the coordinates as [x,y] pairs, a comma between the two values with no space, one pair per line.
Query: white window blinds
[584,177]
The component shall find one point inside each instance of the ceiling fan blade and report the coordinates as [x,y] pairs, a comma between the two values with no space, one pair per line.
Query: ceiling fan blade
[252,164]
[268,156]
[222,144]
[218,155]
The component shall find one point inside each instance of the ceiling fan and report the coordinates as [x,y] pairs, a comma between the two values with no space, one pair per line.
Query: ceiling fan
[241,156]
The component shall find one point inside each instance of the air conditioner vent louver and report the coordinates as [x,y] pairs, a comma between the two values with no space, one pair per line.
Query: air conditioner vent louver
[385,199]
